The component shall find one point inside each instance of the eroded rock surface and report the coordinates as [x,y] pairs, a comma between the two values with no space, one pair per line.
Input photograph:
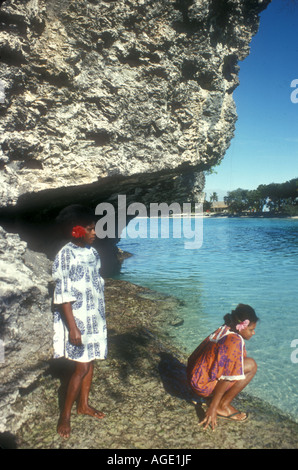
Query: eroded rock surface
[106,90]
[25,323]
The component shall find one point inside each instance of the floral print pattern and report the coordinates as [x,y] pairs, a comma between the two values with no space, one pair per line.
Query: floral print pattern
[219,357]
[76,272]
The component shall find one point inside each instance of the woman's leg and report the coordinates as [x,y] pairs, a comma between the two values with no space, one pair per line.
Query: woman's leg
[225,408]
[73,390]
[83,405]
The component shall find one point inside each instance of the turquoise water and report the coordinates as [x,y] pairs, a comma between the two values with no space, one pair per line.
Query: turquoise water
[252,261]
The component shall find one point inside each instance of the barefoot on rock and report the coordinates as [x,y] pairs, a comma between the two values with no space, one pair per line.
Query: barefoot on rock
[89,410]
[63,427]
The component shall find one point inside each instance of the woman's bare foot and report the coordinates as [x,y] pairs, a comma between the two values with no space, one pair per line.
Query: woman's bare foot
[88,410]
[63,427]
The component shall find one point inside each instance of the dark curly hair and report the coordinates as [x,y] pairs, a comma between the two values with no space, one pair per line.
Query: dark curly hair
[75,214]
[242,312]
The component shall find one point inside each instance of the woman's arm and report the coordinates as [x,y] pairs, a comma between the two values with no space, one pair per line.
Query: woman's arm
[211,413]
[74,332]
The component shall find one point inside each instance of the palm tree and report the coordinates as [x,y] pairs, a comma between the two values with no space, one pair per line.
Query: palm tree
[213,197]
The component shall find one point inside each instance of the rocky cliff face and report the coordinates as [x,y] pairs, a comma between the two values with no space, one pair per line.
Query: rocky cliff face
[100,98]
[25,324]
[111,93]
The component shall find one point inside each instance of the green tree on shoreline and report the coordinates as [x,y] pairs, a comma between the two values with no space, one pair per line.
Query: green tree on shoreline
[275,198]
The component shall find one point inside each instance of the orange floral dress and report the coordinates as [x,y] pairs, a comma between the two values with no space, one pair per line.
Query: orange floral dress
[219,357]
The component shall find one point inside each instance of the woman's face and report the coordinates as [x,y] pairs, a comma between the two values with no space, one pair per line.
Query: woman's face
[249,331]
[90,234]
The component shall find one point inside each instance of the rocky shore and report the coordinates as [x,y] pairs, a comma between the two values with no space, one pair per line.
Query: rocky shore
[142,390]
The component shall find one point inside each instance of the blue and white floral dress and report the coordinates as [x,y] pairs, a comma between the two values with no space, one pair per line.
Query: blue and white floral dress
[76,271]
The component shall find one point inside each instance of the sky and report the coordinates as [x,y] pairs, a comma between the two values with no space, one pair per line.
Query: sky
[264,149]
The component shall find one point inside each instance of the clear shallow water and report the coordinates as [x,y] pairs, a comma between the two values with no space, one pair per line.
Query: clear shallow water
[253,261]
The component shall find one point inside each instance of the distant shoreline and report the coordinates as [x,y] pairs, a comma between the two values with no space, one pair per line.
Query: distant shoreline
[224,216]
[253,216]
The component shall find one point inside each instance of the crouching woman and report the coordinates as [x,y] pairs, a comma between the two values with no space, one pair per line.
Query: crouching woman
[219,368]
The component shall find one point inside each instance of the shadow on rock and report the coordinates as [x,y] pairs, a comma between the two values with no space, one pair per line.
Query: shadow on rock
[61,369]
[131,349]
[174,378]
[7,441]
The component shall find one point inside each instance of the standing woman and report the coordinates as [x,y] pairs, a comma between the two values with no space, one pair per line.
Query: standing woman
[219,368]
[80,332]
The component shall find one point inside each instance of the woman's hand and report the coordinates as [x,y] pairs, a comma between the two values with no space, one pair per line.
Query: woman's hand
[211,413]
[210,418]
[75,336]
